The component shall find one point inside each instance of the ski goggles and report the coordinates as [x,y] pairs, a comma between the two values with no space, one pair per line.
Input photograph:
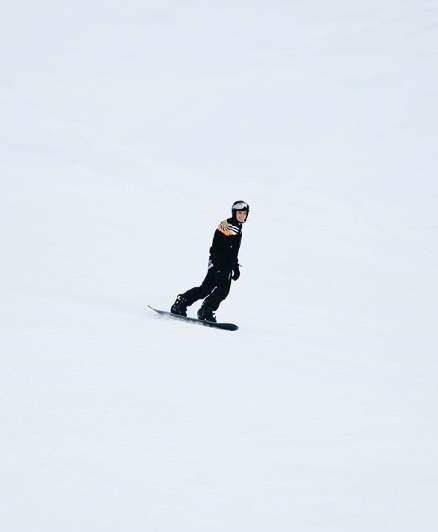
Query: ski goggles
[241,206]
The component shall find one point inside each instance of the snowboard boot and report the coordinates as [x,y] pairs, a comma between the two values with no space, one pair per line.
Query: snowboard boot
[206,314]
[180,306]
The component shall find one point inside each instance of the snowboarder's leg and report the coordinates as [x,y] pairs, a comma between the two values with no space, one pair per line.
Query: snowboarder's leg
[180,306]
[216,296]
[194,294]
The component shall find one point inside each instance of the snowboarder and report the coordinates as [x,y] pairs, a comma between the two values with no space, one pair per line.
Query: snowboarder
[223,266]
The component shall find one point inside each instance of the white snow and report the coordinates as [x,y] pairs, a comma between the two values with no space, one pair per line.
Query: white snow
[127,130]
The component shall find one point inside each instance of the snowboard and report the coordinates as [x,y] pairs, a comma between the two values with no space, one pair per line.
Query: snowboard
[212,324]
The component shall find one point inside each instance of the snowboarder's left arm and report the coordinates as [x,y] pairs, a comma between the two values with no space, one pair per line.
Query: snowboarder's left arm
[226,242]
[235,268]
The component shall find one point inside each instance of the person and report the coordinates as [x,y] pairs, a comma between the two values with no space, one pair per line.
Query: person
[223,266]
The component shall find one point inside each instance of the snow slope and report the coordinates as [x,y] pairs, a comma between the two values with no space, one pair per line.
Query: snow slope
[127,130]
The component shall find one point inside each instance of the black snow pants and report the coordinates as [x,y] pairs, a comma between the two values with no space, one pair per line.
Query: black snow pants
[214,289]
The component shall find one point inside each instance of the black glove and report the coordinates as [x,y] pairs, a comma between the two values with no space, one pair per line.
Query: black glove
[235,266]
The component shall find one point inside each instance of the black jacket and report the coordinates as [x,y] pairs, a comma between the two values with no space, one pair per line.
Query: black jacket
[226,243]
